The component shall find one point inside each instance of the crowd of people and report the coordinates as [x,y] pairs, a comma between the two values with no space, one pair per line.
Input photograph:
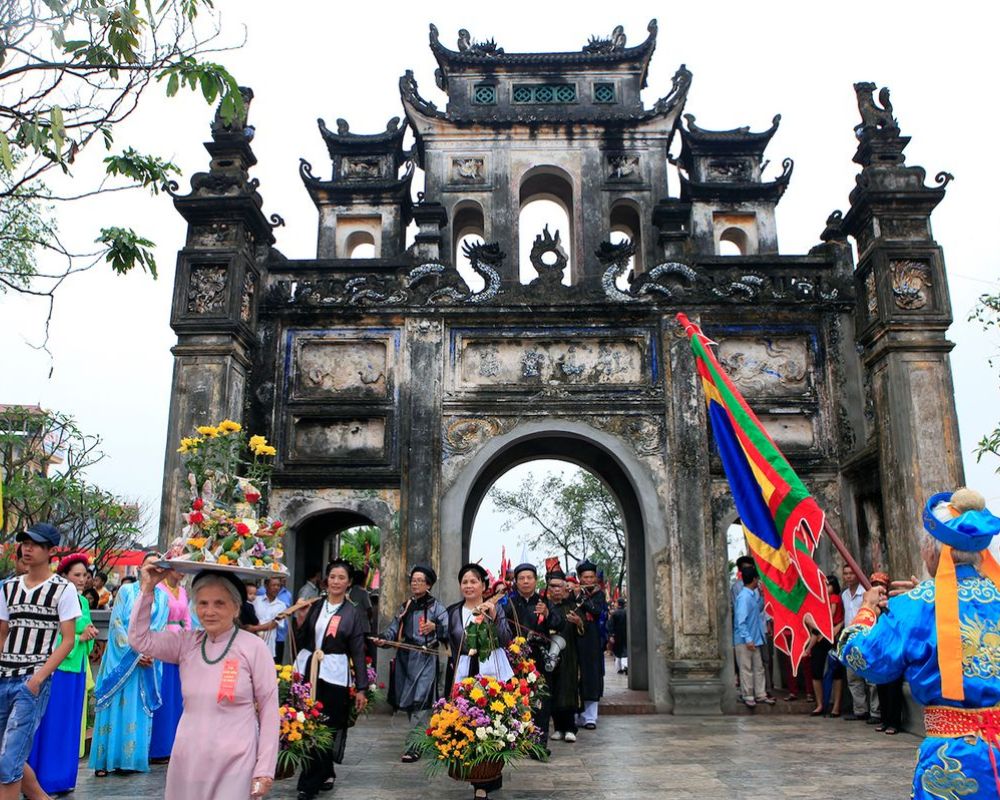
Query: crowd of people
[184,659]
[821,677]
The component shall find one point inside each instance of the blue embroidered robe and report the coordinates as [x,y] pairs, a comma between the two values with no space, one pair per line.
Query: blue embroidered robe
[126,694]
[904,642]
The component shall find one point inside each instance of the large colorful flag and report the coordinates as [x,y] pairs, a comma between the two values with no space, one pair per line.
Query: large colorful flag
[781,520]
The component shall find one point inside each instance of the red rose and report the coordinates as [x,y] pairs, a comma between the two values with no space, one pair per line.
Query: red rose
[481,702]
[484,682]
[196,518]
[381,686]
[242,529]
[276,524]
[429,731]
[198,504]
[493,691]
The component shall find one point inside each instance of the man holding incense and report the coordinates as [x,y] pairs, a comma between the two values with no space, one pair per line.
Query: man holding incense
[944,636]
[420,623]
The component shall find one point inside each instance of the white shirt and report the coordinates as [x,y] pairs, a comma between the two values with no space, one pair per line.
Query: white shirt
[334,667]
[266,611]
[68,605]
[852,602]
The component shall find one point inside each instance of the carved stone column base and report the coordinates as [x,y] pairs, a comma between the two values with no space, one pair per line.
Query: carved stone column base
[696,688]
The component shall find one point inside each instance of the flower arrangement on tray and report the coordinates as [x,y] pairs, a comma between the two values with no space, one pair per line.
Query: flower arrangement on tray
[373,693]
[484,725]
[303,726]
[228,474]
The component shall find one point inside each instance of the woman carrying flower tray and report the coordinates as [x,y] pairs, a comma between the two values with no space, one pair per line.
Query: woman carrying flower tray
[227,740]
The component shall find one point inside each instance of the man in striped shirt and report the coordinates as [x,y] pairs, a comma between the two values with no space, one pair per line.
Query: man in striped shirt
[34,609]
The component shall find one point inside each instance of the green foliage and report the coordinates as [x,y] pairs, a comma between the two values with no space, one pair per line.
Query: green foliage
[70,71]
[44,458]
[575,516]
[126,249]
[147,171]
[987,314]
[361,547]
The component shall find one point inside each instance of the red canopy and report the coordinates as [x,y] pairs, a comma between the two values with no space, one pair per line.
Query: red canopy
[127,558]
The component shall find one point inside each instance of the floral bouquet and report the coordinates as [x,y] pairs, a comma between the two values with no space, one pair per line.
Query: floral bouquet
[303,725]
[228,475]
[373,693]
[484,725]
[519,656]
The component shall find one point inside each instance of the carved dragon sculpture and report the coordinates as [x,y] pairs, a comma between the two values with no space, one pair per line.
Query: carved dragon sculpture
[484,259]
[611,44]
[663,279]
[871,115]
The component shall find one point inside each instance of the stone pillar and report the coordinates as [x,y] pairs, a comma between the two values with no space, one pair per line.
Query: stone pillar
[903,317]
[216,289]
[695,662]
[420,427]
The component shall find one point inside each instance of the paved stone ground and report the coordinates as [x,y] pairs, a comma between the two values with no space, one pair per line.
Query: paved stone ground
[627,757]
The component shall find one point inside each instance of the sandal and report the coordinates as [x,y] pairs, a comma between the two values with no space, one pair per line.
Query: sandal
[790,697]
[880,728]
[890,731]
[100,773]
[409,757]
[476,794]
[816,712]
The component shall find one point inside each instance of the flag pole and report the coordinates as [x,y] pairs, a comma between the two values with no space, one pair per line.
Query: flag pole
[846,555]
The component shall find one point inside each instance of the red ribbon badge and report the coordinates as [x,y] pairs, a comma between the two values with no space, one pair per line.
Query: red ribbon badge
[334,626]
[227,686]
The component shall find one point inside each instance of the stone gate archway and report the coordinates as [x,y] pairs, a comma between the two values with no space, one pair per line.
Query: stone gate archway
[609,459]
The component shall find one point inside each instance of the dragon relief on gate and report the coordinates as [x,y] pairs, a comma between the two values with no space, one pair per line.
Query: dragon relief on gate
[766,367]
[462,435]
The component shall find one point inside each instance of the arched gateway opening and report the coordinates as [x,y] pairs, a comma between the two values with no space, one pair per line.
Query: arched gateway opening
[463,500]
[317,540]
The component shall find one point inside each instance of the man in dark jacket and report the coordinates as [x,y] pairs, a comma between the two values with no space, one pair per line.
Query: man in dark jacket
[594,609]
[565,681]
[533,617]
[619,636]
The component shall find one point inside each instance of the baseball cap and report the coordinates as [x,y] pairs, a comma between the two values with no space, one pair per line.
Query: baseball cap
[41,532]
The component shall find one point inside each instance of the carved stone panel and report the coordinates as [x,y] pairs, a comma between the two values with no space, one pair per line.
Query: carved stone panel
[246,299]
[768,367]
[730,170]
[363,168]
[468,170]
[207,289]
[623,167]
[794,431]
[871,295]
[341,369]
[337,439]
[552,361]
[911,282]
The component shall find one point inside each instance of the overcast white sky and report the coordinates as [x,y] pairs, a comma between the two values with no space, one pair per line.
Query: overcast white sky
[111,338]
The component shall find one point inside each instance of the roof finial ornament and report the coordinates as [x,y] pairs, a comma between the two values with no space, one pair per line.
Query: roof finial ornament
[343,127]
[612,44]
[469,47]
[873,117]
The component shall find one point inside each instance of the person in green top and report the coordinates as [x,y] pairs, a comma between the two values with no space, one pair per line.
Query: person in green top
[56,751]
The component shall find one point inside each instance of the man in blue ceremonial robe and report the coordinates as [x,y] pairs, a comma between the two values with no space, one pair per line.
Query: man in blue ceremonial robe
[944,636]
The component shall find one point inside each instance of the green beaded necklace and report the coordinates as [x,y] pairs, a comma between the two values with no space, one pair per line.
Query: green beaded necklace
[210,661]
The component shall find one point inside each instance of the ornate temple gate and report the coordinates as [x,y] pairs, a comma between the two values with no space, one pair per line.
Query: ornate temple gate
[396,393]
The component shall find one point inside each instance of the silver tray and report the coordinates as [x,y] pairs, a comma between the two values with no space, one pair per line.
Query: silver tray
[194,567]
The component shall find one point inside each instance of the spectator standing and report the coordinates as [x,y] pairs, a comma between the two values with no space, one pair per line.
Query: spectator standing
[890,694]
[619,636]
[285,597]
[268,606]
[864,697]
[819,652]
[313,585]
[168,716]
[104,596]
[748,639]
[35,609]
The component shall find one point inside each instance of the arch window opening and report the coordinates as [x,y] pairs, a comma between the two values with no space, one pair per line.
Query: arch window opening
[361,244]
[625,224]
[546,200]
[468,227]
[337,534]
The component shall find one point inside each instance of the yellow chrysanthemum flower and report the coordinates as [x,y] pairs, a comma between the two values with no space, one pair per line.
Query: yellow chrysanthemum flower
[266,450]
[497,706]
[208,431]
[229,426]
[509,699]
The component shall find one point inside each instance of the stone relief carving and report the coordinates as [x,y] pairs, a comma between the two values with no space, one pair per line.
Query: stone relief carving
[334,439]
[464,434]
[768,367]
[551,362]
[871,295]
[361,169]
[468,170]
[623,166]
[466,44]
[911,282]
[644,434]
[207,289]
[846,431]
[550,272]
[729,169]
[341,368]
[246,299]
[869,406]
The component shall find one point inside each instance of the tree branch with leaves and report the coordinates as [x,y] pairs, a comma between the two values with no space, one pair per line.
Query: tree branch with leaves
[70,72]
[987,314]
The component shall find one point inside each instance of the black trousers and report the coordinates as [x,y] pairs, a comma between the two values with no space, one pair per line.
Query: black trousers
[319,769]
[564,720]
[541,716]
[890,702]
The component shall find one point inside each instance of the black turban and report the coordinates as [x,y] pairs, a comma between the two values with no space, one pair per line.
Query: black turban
[586,566]
[430,574]
[525,566]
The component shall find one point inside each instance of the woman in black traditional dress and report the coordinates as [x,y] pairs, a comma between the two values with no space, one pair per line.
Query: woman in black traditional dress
[334,625]
[472,581]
